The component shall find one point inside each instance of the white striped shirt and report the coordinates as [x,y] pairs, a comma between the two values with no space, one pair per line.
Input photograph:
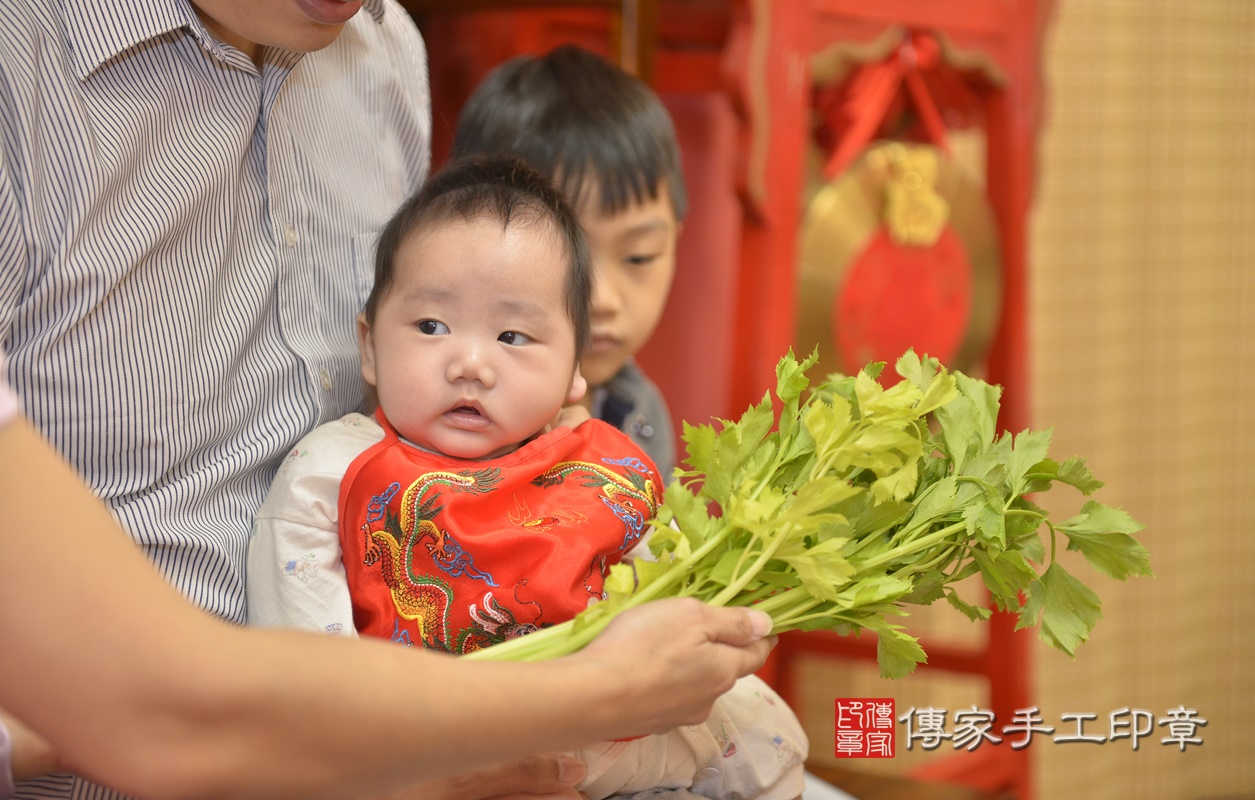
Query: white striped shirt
[8,403]
[184,243]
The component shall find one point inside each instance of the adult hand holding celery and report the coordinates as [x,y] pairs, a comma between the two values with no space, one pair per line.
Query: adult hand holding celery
[856,502]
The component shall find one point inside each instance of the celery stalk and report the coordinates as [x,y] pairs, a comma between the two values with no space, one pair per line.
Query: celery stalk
[854,502]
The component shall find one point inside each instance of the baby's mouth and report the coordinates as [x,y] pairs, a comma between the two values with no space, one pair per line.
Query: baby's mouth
[467,415]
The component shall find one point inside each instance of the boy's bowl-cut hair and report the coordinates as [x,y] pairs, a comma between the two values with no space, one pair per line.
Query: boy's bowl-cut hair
[501,187]
[578,119]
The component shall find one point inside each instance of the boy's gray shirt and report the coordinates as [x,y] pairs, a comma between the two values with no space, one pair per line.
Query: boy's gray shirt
[633,404]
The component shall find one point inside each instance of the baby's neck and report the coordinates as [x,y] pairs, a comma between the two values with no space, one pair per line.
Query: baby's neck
[504,451]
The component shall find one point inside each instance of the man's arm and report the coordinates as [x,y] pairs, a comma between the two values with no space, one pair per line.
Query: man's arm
[155,697]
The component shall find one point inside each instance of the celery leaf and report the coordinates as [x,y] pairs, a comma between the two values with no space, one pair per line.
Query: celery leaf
[1101,534]
[1067,609]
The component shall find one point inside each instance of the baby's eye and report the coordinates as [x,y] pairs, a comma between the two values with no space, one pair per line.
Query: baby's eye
[513,337]
[433,327]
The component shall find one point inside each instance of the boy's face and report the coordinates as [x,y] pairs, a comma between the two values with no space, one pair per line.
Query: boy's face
[633,255]
[472,351]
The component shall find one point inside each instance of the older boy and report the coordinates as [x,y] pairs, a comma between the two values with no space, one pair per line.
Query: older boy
[607,141]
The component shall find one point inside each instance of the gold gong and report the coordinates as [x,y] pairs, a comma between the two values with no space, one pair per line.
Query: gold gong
[912,192]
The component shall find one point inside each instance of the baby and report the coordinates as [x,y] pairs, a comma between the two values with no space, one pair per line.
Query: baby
[459,514]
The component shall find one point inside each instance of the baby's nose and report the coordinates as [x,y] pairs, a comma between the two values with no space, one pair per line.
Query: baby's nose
[471,364]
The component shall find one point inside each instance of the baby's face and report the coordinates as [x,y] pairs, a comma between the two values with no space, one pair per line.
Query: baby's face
[633,254]
[472,351]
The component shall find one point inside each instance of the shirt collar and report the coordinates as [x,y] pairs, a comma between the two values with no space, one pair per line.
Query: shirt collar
[99,30]
[375,8]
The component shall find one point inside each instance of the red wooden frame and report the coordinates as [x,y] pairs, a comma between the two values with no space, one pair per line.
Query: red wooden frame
[736,76]
[768,56]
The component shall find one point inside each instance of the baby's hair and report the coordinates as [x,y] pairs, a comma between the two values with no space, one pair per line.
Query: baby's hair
[500,187]
[579,120]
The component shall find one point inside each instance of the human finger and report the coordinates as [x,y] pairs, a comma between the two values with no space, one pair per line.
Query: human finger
[678,656]
[569,417]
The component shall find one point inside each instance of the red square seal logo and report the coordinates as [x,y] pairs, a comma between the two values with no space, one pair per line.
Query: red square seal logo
[864,727]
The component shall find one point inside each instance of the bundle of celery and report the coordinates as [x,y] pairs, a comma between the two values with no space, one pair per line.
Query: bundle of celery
[850,506]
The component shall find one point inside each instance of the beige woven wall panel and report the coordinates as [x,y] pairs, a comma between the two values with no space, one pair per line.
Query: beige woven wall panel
[1143,356]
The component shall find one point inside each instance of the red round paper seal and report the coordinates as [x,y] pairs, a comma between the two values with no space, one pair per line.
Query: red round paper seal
[896,297]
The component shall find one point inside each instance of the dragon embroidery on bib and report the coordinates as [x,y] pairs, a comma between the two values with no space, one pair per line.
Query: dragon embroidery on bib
[419,597]
[617,491]
[404,539]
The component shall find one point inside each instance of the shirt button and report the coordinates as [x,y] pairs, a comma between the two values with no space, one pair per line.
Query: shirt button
[289,236]
[642,427]
[324,378]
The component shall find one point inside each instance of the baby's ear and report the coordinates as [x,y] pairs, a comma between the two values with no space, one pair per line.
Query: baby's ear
[366,349]
[579,387]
